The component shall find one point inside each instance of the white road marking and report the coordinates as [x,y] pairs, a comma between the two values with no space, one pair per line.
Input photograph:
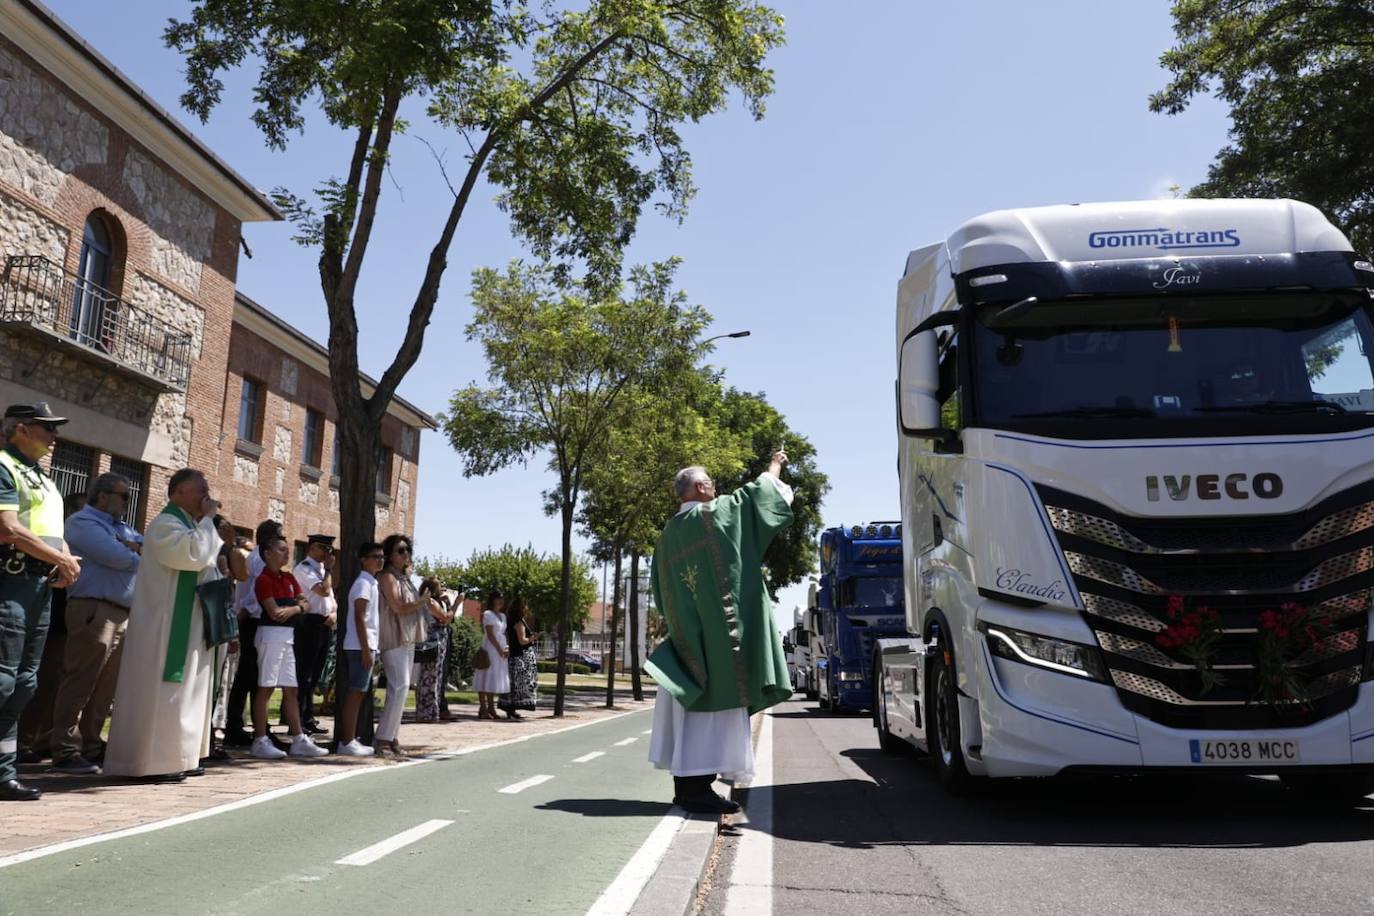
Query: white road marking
[751,880]
[620,897]
[391,844]
[647,731]
[625,741]
[524,784]
[29,855]
[586,757]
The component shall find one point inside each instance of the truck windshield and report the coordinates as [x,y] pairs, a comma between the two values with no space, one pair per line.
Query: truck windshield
[871,591]
[1254,363]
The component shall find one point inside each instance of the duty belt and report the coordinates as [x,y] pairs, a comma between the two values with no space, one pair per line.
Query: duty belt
[14,562]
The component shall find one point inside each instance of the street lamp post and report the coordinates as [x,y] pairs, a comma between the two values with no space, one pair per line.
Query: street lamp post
[719,336]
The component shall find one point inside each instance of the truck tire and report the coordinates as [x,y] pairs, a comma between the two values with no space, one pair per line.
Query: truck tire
[1336,789]
[942,718]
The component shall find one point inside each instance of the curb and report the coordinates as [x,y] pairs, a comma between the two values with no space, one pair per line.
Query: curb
[673,888]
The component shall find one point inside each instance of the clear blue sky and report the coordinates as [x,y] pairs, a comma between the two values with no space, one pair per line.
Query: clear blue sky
[892,123]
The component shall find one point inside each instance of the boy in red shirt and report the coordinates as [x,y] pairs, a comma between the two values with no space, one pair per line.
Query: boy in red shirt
[282,602]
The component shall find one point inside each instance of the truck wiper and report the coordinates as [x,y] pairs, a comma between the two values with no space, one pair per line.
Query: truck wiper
[1089,413]
[1277,407]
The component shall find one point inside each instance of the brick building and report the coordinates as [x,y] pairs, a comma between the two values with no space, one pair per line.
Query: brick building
[119,241]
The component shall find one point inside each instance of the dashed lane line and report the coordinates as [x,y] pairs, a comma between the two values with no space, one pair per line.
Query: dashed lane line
[522,785]
[589,757]
[374,852]
[624,741]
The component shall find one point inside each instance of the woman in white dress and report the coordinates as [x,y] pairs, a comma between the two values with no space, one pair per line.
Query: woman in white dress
[492,681]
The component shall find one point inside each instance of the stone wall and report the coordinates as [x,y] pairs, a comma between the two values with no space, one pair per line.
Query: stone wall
[181,223]
[25,231]
[44,134]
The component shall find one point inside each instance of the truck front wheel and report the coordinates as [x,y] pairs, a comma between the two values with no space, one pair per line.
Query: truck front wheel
[942,718]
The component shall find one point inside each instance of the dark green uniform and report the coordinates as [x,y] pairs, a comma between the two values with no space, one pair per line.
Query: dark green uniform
[25,593]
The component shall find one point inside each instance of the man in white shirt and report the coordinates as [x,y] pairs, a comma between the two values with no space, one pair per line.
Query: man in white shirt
[249,613]
[360,645]
[314,630]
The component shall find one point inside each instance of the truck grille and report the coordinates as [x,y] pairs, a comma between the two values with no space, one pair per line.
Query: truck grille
[1126,568]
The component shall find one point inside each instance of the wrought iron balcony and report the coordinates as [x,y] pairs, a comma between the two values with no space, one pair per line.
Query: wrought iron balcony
[69,311]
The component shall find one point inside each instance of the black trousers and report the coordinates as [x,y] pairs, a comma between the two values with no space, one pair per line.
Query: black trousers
[312,643]
[245,678]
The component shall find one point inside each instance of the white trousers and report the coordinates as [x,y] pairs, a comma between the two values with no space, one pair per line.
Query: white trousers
[396,663]
[701,743]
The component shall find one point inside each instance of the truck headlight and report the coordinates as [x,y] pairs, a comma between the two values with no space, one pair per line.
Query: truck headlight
[849,676]
[1046,652]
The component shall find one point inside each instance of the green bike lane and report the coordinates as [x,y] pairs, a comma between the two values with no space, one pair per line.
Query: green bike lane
[552,847]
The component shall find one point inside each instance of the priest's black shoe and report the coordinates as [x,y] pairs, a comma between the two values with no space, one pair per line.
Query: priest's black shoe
[694,795]
[14,790]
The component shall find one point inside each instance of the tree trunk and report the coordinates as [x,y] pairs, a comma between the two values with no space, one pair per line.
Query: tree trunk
[615,622]
[359,441]
[632,626]
[565,606]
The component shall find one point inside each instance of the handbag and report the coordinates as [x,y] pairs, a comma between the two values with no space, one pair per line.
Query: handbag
[481,661]
[427,652]
[217,606]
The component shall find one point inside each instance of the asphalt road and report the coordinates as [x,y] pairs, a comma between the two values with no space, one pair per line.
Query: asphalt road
[489,836]
[856,831]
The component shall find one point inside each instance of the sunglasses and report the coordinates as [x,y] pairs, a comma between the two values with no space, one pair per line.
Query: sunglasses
[405,550]
[375,556]
[46,424]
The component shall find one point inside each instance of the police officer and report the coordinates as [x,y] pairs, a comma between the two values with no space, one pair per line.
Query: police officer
[33,560]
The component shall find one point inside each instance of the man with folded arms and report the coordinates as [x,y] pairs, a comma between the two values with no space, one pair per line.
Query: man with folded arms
[161,724]
[723,659]
[97,613]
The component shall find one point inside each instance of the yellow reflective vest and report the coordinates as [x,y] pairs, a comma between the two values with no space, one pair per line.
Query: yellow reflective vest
[39,504]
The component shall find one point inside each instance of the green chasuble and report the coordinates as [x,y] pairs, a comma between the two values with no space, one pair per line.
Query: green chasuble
[723,650]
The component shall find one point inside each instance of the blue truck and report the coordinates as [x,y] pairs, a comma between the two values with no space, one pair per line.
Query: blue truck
[858,599]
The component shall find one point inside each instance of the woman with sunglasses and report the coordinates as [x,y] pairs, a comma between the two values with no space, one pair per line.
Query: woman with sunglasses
[402,626]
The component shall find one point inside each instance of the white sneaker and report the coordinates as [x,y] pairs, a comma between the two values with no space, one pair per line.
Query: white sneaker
[354,749]
[265,749]
[302,746]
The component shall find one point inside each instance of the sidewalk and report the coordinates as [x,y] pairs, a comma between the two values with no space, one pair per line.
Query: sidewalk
[78,806]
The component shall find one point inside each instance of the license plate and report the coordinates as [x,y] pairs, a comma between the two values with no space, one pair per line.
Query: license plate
[1242,751]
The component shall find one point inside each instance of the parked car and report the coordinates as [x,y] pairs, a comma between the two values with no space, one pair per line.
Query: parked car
[582,658]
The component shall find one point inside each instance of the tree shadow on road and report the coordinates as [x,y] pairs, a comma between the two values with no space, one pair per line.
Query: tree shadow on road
[903,805]
[607,807]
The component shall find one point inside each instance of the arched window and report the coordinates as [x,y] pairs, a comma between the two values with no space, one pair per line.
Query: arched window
[92,302]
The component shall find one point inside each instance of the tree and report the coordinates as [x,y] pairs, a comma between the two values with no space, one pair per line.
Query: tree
[1298,76]
[520,572]
[792,555]
[560,362]
[571,114]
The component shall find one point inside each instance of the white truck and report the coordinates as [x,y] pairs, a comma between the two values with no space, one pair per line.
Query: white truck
[1137,485]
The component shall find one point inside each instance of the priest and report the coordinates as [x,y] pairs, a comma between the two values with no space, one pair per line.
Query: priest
[161,724]
[723,659]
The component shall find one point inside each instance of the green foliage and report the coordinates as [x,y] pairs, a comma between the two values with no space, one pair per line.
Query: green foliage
[791,556]
[549,666]
[1298,77]
[467,639]
[572,110]
[520,571]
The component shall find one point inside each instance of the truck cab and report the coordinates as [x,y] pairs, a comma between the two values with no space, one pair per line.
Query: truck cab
[858,600]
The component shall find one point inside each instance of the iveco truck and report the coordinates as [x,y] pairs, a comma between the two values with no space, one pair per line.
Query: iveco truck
[1136,459]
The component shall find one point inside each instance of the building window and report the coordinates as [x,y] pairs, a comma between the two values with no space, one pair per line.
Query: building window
[92,303]
[72,465]
[334,461]
[137,472]
[314,438]
[384,472]
[250,411]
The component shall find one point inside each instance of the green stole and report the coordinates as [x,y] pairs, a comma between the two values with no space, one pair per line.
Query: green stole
[174,668]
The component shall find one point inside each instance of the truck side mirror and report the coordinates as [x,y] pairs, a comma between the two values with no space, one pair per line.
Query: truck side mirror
[918,381]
